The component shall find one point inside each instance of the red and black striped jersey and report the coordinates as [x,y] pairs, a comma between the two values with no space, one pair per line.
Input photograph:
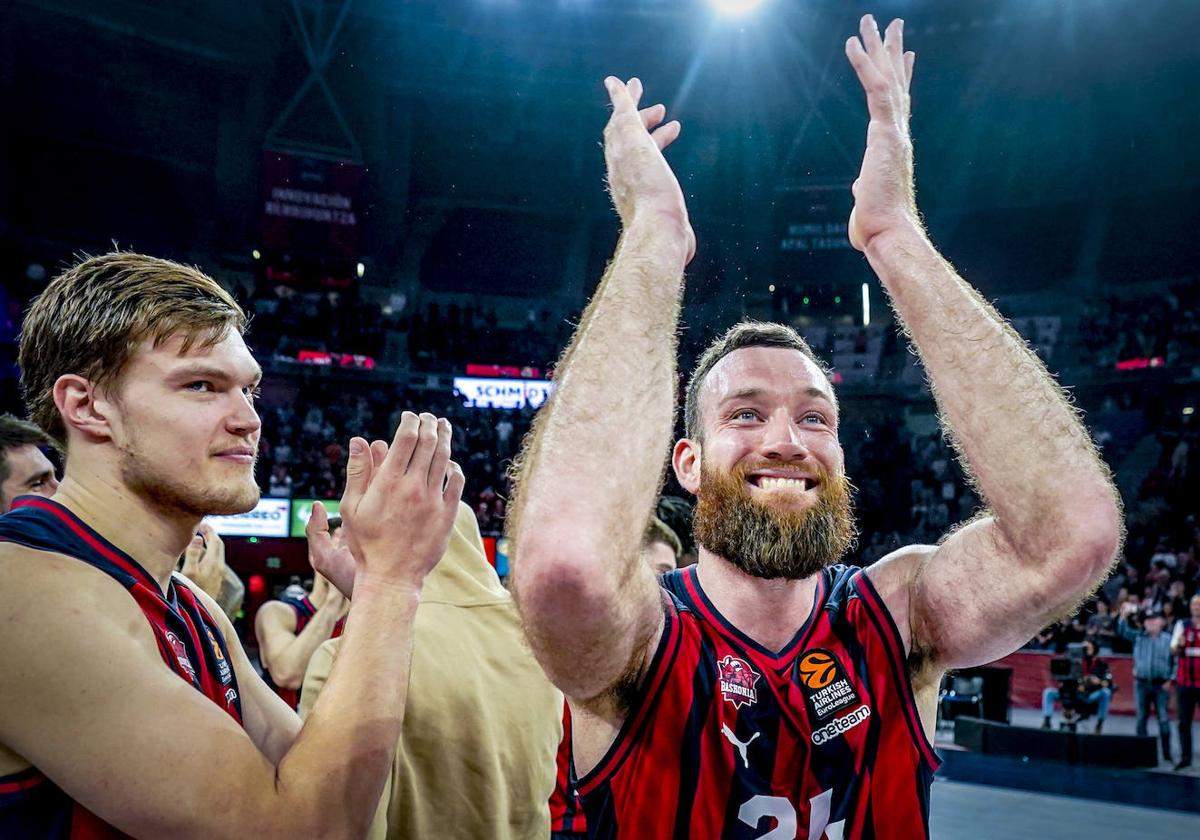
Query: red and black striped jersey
[189,641]
[1188,671]
[729,740]
[566,811]
[305,609]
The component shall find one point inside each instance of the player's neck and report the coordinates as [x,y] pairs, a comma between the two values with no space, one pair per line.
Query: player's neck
[768,611]
[150,536]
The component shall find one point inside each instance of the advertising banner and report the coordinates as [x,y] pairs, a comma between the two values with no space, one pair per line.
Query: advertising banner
[502,393]
[268,519]
[302,510]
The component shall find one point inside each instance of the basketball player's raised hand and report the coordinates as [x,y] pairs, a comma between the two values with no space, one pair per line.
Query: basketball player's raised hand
[884,193]
[331,559]
[400,501]
[642,185]
[204,560]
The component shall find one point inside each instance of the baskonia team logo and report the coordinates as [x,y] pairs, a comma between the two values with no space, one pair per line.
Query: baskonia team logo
[181,655]
[737,681]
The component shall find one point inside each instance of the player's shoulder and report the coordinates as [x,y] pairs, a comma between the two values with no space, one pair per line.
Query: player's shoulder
[894,575]
[39,574]
[50,601]
[277,611]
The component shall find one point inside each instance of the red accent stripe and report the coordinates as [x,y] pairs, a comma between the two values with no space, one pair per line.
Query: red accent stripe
[869,597]
[673,634]
[80,530]
[31,781]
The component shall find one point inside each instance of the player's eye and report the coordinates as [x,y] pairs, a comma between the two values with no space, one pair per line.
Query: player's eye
[200,386]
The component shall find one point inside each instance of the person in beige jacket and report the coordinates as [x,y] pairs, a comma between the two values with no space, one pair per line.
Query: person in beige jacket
[476,757]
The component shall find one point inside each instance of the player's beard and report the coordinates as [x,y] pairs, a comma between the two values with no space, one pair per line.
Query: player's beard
[145,476]
[769,542]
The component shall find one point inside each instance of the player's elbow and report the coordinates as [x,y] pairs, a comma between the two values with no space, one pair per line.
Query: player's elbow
[1102,533]
[557,578]
[549,575]
[1091,543]
[286,674]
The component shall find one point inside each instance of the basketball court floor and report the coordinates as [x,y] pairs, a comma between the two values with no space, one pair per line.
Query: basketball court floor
[964,811]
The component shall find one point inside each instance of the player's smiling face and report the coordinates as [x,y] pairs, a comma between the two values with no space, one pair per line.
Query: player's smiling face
[187,428]
[768,474]
[770,417]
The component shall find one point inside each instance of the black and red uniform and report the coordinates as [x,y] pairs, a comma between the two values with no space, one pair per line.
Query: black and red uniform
[727,739]
[305,609]
[566,811]
[189,640]
[1187,687]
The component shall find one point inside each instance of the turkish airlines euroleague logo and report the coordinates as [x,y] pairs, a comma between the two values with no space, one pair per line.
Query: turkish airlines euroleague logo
[817,669]
[824,684]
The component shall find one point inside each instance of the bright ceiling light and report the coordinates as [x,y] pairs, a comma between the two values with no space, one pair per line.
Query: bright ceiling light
[735,7]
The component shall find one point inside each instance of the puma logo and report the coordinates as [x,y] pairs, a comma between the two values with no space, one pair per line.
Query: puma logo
[741,746]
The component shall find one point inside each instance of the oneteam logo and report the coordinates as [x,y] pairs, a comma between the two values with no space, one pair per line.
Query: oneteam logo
[840,726]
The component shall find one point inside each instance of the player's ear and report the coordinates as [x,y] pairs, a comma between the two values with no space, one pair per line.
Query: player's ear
[685,460]
[84,407]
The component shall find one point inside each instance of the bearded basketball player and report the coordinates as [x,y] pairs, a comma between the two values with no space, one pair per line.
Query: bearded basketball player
[127,705]
[769,692]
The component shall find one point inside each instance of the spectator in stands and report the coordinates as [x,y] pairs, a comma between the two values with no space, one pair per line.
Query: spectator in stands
[1152,669]
[1102,627]
[1093,688]
[280,484]
[1047,639]
[1185,644]
[24,468]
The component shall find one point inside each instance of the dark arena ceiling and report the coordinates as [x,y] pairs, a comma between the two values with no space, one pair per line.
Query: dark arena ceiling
[1053,138]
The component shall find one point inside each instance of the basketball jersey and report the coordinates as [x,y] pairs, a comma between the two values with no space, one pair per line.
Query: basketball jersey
[566,811]
[189,641]
[305,609]
[1188,670]
[727,739]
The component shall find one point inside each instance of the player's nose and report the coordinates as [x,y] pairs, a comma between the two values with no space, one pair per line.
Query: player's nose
[782,439]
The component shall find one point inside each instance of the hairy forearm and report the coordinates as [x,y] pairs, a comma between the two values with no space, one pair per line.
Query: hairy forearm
[598,448]
[338,764]
[1022,441]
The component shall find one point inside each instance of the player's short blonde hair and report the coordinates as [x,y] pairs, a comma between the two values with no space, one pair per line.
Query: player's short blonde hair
[92,317]
[737,337]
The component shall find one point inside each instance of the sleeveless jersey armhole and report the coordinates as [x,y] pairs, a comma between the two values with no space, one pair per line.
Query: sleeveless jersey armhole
[635,722]
[885,626]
